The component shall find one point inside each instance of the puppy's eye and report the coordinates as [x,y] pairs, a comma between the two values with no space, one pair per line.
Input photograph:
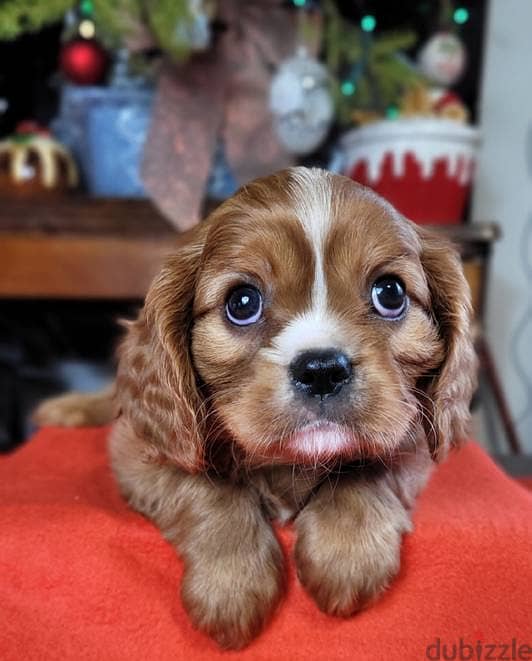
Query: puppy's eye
[244,305]
[388,296]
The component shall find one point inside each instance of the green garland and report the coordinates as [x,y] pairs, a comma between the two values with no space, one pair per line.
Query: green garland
[167,21]
[20,16]
[367,73]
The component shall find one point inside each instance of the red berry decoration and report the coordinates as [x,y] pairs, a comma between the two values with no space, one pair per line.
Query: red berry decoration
[83,61]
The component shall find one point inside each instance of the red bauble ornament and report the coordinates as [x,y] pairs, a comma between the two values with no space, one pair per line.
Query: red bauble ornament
[83,61]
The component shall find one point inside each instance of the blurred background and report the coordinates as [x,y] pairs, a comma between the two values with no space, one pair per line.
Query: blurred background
[122,123]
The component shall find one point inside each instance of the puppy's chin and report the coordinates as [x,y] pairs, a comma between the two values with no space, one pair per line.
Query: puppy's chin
[320,441]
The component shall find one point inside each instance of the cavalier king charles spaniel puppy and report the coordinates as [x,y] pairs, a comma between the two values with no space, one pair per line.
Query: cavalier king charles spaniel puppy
[305,357]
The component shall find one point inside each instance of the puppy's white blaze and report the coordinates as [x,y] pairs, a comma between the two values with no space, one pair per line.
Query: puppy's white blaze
[311,196]
[311,330]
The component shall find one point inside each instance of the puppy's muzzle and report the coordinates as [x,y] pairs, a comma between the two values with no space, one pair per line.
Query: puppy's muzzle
[321,373]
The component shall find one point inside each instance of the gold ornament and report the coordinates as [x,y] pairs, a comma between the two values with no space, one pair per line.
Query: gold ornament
[38,159]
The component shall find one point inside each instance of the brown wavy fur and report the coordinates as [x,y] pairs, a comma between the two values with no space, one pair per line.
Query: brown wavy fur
[185,380]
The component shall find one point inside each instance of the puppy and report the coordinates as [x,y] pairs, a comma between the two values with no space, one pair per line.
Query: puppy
[306,356]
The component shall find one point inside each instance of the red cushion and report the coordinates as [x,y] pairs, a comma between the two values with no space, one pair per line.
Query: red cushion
[84,577]
[525,482]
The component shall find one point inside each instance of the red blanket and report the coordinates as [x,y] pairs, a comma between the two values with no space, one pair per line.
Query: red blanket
[84,577]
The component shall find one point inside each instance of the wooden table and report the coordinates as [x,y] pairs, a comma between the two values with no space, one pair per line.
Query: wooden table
[79,248]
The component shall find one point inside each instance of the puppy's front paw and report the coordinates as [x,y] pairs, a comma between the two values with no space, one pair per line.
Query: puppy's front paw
[232,601]
[344,566]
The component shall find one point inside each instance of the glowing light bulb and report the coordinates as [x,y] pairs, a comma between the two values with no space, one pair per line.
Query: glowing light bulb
[461,15]
[392,112]
[368,23]
[87,7]
[86,29]
[348,88]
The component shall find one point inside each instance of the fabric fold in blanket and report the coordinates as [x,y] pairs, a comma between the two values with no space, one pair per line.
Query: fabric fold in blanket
[84,577]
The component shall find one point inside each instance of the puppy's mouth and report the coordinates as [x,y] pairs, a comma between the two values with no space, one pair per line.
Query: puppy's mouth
[320,440]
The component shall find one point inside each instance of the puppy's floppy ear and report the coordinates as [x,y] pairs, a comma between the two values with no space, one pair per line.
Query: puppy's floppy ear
[156,380]
[451,389]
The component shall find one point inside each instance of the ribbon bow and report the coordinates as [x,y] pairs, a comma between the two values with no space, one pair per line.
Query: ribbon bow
[219,93]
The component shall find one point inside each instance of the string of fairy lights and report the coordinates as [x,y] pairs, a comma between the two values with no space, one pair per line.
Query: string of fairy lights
[368,23]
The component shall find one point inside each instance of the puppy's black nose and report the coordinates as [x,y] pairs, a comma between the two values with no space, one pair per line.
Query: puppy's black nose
[321,373]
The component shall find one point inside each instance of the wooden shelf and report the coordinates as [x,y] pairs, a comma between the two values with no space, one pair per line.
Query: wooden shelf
[80,215]
[81,248]
[88,248]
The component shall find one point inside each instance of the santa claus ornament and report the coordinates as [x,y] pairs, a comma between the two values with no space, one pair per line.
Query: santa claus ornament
[442,59]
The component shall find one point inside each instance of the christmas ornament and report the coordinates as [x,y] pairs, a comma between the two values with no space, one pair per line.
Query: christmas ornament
[33,162]
[424,167]
[83,61]
[449,105]
[422,101]
[442,59]
[301,103]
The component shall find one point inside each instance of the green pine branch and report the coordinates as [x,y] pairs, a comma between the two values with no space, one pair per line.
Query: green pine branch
[20,16]
[168,21]
[370,64]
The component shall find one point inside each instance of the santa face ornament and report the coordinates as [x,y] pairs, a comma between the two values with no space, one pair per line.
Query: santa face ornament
[442,59]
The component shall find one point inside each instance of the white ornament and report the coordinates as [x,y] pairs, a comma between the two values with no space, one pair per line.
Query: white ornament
[301,103]
[442,59]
